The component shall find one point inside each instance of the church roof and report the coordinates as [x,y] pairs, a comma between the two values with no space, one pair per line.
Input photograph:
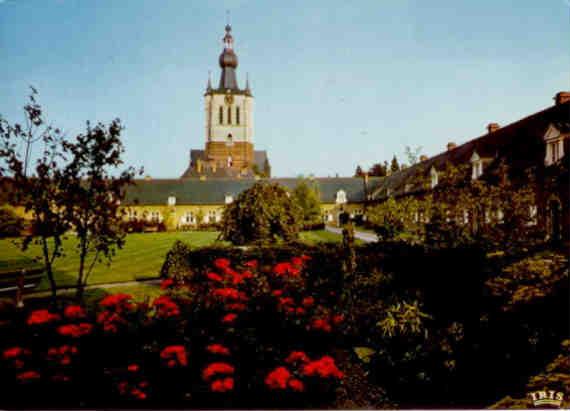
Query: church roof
[213,191]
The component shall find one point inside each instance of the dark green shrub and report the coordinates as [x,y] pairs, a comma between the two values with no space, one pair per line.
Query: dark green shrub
[10,224]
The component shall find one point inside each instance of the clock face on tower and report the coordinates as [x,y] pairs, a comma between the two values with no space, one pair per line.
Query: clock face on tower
[229,99]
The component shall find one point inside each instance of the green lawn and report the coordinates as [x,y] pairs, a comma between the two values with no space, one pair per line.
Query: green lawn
[141,257]
[320,236]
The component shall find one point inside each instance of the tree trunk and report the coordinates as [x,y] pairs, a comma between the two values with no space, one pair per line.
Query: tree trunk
[49,271]
[80,282]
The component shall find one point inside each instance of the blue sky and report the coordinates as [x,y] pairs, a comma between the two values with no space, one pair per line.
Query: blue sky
[336,83]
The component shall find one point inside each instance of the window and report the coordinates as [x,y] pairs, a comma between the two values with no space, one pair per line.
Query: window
[171,201]
[229,199]
[476,166]
[221,115]
[434,177]
[229,115]
[237,115]
[188,218]
[155,217]
[554,141]
[341,197]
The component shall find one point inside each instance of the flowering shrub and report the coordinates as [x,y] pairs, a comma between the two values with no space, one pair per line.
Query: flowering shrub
[241,317]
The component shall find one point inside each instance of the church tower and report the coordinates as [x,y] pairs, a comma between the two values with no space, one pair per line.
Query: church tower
[228,109]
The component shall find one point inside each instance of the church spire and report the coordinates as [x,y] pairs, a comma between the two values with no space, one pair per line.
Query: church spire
[209,85]
[228,62]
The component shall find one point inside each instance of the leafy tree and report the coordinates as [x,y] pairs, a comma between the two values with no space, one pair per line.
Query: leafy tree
[377,170]
[264,212]
[308,199]
[394,165]
[92,195]
[413,155]
[358,172]
[39,194]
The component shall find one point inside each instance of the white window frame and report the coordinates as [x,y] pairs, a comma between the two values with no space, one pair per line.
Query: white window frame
[341,197]
[171,201]
[476,166]
[434,177]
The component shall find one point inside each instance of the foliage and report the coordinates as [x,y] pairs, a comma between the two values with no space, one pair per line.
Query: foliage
[413,155]
[10,224]
[306,195]
[394,165]
[378,170]
[264,212]
[40,195]
[72,188]
[246,335]
[358,172]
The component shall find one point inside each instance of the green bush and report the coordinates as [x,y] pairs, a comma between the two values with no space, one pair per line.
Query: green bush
[264,212]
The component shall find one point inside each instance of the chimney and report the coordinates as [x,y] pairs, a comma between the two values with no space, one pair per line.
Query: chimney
[492,127]
[451,145]
[562,97]
[423,157]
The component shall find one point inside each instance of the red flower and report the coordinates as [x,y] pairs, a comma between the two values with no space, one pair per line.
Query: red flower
[110,321]
[214,277]
[297,356]
[277,293]
[251,264]
[38,317]
[308,302]
[217,368]
[286,301]
[223,385]
[286,268]
[133,368]
[221,263]
[229,318]
[337,319]
[75,330]
[62,355]
[166,283]
[297,261]
[174,355]
[305,257]
[236,306]
[229,293]
[278,378]
[28,376]
[296,385]
[118,302]
[324,368]
[73,312]
[247,274]
[165,307]
[218,349]
[322,325]
[14,352]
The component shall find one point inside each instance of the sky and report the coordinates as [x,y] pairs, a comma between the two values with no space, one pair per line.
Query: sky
[336,84]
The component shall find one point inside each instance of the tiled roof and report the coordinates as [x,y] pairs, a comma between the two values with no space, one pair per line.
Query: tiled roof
[214,190]
[519,143]
[259,158]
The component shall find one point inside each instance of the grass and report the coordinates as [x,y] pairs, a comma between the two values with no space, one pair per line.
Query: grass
[141,257]
[320,236]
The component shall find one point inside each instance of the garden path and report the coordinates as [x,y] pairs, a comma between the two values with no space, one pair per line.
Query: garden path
[361,235]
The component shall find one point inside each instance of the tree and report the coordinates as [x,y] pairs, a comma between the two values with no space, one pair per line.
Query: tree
[358,172]
[308,199]
[10,224]
[413,155]
[39,194]
[266,168]
[377,170]
[264,212]
[394,165]
[92,195]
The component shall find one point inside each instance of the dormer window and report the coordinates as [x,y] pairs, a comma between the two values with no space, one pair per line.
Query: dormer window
[229,199]
[433,177]
[341,197]
[476,166]
[171,201]
[554,141]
